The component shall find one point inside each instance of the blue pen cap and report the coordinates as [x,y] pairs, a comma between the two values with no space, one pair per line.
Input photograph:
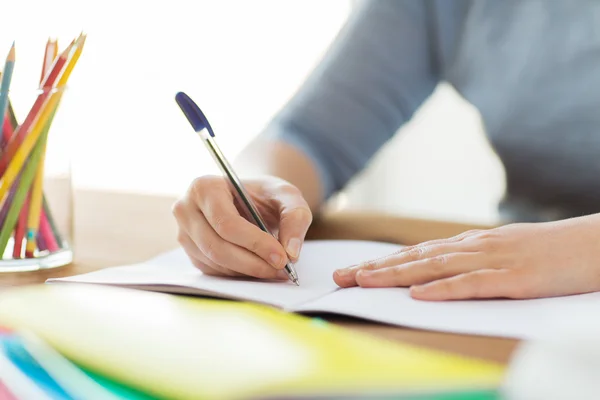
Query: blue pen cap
[193,113]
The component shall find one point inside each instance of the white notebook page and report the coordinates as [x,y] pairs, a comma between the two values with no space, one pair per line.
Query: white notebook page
[520,319]
[173,272]
[523,319]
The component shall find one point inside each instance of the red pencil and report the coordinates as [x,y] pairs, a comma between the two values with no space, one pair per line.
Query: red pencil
[20,229]
[7,130]
[46,231]
[22,130]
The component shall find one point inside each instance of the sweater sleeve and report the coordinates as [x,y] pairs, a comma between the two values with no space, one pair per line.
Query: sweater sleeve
[378,71]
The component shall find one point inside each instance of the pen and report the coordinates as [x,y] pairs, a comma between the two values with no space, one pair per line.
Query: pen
[201,126]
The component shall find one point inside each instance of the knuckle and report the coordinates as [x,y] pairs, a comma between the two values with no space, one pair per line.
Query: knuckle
[476,281]
[490,244]
[416,253]
[211,251]
[370,265]
[291,189]
[397,271]
[487,234]
[298,214]
[178,208]
[254,245]
[401,251]
[439,261]
[301,213]
[201,185]
[224,226]
[447,286]
[181,237]
[470,232]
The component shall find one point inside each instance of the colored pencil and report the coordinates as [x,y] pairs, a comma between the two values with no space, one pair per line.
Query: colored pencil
[47,108]
[20,229]
[32,203]
[24,210]
[23,130]
[49,58]
[55,241]
[5,206]
[5,86]
[35,204]
[7,129]
[51,239]
[7,203]
[19,197]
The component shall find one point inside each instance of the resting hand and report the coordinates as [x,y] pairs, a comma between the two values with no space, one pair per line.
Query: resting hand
[219,241]
[514,261]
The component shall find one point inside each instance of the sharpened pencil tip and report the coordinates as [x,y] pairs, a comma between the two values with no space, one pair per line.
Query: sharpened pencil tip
[11,53]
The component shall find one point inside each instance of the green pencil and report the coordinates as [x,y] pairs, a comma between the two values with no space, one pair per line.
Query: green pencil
[57,237]
[26,180]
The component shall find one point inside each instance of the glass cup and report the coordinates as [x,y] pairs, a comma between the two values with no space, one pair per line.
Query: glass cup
[36,208]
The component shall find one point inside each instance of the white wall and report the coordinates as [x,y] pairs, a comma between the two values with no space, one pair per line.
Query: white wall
[439,165]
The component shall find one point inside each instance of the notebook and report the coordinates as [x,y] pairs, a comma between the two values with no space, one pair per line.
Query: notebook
[172,272]
[177,347]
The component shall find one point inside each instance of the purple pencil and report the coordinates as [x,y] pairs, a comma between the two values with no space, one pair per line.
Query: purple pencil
[8,202]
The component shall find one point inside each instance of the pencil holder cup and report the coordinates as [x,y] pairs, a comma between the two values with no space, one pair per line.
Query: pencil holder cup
[36,202]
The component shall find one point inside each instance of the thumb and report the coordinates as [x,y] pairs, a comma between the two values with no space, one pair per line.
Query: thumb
[295,218]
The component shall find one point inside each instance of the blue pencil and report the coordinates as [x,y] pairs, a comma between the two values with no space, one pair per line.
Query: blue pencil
[5,86]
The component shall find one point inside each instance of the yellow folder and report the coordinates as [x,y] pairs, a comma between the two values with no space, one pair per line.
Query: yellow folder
[190,348]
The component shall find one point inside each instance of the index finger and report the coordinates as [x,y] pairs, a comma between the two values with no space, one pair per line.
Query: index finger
[219,210]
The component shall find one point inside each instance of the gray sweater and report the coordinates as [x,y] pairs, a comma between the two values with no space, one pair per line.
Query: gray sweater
[531,68]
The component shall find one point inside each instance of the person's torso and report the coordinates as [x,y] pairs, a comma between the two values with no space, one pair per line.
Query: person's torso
[532,69]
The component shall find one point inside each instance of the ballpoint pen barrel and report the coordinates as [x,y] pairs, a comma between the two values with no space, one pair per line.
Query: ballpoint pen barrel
[243,198]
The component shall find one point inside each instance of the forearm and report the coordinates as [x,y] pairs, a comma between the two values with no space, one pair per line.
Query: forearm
[276,158]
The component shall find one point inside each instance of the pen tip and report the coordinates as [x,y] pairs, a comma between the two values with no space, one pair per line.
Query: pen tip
[296,282]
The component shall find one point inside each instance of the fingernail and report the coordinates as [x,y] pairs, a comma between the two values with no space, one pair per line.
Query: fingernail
[275,260]
[343,272]
[293,248]
[417,289]
[282,275]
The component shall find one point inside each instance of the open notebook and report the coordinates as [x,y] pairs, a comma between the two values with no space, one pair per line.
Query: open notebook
[173,273]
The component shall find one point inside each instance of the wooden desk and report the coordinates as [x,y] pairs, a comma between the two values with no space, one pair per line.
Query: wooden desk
[121,228]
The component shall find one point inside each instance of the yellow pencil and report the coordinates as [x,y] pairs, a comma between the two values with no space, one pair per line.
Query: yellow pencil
[37,195]
[35,204]
[13,169]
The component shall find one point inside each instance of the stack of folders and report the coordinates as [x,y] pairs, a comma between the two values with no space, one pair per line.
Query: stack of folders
[93,342]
